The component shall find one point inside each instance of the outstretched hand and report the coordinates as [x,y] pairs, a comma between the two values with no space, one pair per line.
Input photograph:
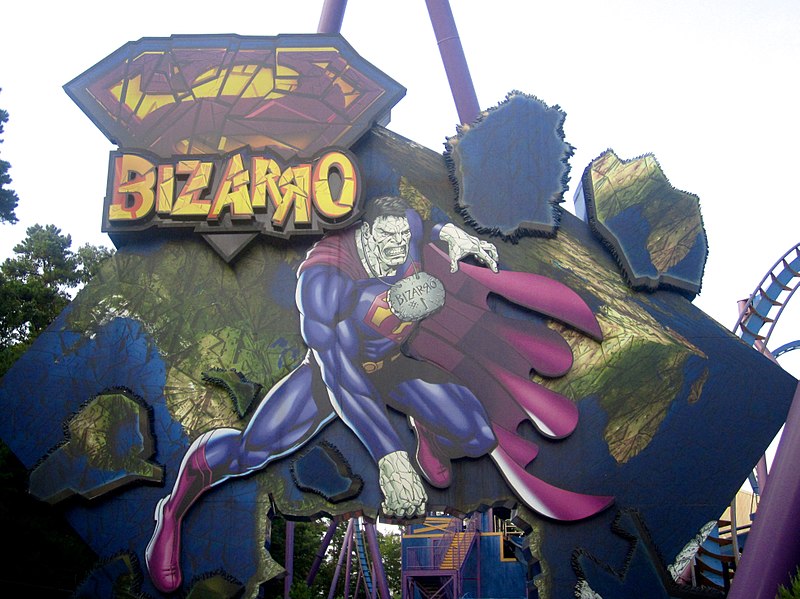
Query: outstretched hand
[461,244]
[401,486]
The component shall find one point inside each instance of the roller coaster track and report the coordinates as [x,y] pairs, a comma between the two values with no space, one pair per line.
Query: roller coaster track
[765,305]
[763,309]
[361,550]
[785,348]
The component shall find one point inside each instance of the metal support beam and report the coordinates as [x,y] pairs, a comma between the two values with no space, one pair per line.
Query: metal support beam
[330,21]
[455,63]
[380,574]
[770,556]
[359,579]
[345,544]
[289,549]
[323,547]
[348,568]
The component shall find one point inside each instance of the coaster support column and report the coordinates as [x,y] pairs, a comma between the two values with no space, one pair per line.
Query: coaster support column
[455,63]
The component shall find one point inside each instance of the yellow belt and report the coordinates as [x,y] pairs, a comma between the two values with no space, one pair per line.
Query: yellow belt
[370,367]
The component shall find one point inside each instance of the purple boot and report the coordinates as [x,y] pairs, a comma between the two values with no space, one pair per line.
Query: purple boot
[163,553]
[434,465]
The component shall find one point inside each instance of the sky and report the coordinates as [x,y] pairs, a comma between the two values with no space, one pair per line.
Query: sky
[710,88]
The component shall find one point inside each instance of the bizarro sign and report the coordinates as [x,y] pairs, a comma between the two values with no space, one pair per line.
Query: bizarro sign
[363,326]
[187,108]
[297,198]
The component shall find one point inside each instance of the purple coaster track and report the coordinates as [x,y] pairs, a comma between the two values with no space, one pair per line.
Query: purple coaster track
[444,27]
[773,545]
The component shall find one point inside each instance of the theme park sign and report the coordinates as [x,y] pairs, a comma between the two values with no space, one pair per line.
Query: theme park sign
[252,188]
[398,366]
[233,136]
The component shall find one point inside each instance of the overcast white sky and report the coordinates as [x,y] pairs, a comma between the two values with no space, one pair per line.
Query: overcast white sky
[710,88]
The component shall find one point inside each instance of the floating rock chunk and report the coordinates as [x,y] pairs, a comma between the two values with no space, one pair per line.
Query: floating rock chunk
[108,445]
[324,470]
[654,230]
[511,168]
[241,391]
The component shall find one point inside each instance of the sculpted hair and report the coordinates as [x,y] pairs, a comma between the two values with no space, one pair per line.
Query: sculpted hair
[385,206]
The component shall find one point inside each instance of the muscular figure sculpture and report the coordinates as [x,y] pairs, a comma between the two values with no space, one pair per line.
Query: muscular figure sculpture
[361,294]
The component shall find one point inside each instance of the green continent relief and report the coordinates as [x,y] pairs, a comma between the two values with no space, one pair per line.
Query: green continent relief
[672,215]
[630,196]
[201,314]
[108,444]
[638,369]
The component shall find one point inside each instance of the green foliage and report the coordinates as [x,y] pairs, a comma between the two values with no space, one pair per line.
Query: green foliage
[391,549]
[793,592]
[307,539]
[47,557]
[8,198]
[36,283]
[300,590]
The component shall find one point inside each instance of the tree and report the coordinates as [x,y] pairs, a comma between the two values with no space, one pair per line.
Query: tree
[307,540]
[48,556]
[8,197]
[793,592]
[390,545]
[36,285]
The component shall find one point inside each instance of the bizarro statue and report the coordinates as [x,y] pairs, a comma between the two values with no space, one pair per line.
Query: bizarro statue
[386,317]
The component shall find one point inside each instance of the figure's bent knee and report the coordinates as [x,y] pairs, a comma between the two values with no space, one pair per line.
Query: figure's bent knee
[231,452]
[225,452]
[481,443]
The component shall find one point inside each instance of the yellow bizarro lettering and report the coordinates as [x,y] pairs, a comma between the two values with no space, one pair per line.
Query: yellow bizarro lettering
[141,186]
[165,189]
[233,191]
[133,188]
[188,202]
[265,175]
[323,197]
[292,189]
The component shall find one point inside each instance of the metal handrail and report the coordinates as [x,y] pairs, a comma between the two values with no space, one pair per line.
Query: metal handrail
[431,556]
[765,305]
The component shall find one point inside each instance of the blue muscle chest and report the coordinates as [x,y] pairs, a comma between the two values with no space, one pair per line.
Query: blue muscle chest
[382,331]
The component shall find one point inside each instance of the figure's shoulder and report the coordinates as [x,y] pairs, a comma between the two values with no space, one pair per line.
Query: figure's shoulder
[337,250]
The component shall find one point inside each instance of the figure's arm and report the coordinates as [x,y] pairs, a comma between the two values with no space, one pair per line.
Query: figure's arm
[326,299]
[461,244]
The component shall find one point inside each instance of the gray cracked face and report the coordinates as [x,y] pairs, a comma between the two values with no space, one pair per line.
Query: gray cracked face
[390,237]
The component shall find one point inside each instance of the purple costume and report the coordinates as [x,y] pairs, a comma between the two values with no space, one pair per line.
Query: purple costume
[363,358]
[354,369]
